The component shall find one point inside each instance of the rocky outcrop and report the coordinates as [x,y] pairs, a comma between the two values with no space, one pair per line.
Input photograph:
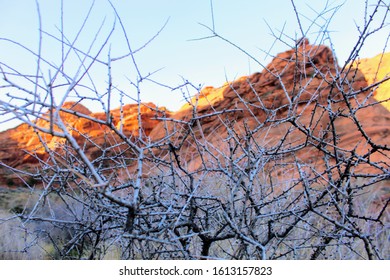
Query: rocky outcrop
[22,147]
[297,82]
[303,87]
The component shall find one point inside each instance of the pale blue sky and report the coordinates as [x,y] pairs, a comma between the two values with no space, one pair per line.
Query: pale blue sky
[203,62]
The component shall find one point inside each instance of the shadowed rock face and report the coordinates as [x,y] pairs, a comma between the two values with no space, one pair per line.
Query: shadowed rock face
[267,90]
[298,82]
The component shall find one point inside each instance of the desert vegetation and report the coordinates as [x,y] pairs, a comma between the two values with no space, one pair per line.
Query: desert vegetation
[288,163]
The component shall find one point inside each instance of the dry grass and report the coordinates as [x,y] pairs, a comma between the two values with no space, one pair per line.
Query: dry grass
[20,240]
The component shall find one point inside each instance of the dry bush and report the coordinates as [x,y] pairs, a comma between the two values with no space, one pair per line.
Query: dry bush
[230,192]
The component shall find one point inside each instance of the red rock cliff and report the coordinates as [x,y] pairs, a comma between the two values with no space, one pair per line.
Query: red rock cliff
[297,83]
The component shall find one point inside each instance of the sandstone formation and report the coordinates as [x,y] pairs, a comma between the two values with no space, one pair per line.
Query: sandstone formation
[286,112]
[299,82]
[298,87]
[22,147]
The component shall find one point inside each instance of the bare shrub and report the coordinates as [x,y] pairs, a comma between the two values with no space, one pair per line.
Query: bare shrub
[268,177]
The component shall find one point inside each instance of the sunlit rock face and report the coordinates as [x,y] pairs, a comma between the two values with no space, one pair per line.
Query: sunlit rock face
[25,148]
[375,70]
